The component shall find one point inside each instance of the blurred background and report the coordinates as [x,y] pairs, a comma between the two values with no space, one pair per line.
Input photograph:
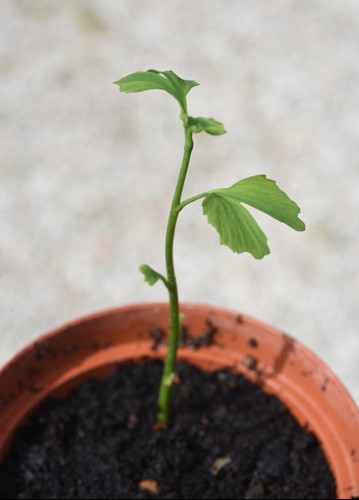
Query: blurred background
[87,173]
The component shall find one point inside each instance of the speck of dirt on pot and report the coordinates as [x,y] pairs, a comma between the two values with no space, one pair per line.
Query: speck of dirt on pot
[253,342]
[251,362]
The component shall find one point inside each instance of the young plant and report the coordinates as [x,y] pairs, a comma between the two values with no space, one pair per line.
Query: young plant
[223,207]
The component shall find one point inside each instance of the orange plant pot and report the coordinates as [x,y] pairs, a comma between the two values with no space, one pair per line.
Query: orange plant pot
[94,345]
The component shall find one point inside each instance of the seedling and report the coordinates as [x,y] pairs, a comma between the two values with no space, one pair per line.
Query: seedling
[223,207]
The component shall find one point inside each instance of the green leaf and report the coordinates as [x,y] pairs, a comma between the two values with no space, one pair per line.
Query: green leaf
[160,80]
[151,276]
[209,125]
[236,226]
[262,193]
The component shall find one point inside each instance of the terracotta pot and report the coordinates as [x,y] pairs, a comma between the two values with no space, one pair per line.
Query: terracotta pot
[93,346]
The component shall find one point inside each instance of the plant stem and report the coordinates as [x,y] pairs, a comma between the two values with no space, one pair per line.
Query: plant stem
[186,202]
[174,320]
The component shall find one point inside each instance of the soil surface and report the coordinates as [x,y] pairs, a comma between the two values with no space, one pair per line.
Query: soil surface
[227,439]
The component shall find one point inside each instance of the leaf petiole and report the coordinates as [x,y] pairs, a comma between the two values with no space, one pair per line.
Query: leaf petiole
[192,199]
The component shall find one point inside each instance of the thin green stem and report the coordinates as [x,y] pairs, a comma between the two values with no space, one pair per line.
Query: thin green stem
[174,323]
[164,280]
[186,202]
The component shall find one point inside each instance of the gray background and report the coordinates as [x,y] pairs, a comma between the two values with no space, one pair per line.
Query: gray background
[87,173]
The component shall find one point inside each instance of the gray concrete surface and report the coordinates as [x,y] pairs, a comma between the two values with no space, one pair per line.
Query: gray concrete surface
[86,173]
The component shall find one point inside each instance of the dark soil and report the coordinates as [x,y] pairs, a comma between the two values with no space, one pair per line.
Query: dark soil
[227,439]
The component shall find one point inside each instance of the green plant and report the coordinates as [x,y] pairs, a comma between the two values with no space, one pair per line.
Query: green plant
[224,209]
